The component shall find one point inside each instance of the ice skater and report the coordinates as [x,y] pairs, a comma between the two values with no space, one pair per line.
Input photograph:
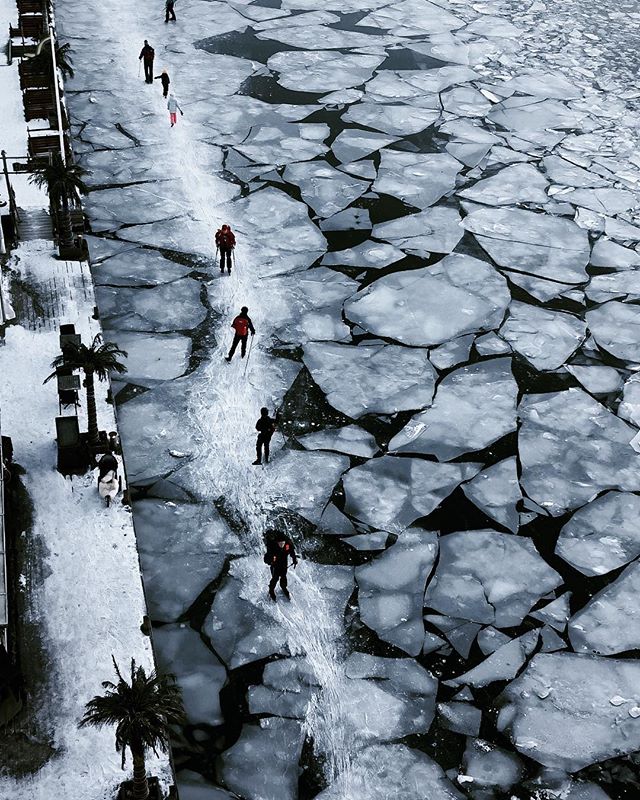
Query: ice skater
[173,107]
[279,549]
[165,81]
[170,14]
[241,325]
[225,242]
[265,426]
[147,54]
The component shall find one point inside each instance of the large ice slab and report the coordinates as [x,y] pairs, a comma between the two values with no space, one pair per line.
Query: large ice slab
[322,71]
[419,179]
[394,120]
[353,144]
[616,328]
[491,767]
[324,188]
[562,171]
[488,577]
[368,255]
[134,267]
[154,358]
[351,440]
[437,230]
[391,589]
[496,491]
[563,710]
[458,295]
[603,535]
[473,407]
[412,17]
[502,665]
[520,183]
[539,244]
[572,449]
[391,493]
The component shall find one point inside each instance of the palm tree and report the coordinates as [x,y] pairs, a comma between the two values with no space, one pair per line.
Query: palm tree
[142,711]
[98,360]
[63,58]
[65,183]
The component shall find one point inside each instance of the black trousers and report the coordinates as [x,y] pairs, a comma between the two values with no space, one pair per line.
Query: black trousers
[171,14]
[225,254]
[237,339]
[278,574]
[263,442]
[148,71]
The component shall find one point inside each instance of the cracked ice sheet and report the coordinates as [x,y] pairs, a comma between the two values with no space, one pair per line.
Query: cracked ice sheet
[474,406]
[538,244]
[325,189]
[391,119]
[520,183]
[311,37]
[391,493]
[455,296]
[322,71]
[351,144]
[572,449]
[412,18]
[436,230]
[419,87]
[275,145]
[419,179]
[616,328]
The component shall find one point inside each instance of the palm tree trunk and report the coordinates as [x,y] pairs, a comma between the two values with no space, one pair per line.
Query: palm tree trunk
[92,414]
[65,233]
[140,783]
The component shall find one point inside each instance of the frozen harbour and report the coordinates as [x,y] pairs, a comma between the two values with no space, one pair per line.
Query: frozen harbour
[436,206]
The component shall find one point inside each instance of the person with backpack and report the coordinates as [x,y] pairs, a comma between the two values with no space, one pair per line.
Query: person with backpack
[147,54]
[169,12]
[225,242]
[173,107]
[241,325]
[266,427]
[164,80]
[279,550]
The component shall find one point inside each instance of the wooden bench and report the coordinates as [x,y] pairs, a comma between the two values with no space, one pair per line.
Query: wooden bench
[30,26]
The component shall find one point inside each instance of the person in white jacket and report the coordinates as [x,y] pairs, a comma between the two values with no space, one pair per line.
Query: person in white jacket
[173,107]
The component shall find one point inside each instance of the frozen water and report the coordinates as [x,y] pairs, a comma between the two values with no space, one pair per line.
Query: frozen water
[525,114]
[502,665]
[602,201]
[451,48]
[180,650]
[319,37]
[351,144]
[469,153]
[286,689]
[322,71]
[556,613]
[412,17]
[545,338]
[490,344]
[491,767]
[368,255]
[351,440]
[551,642]
[616,328]
[629,408]
[609,622]
[490,639]
[572,449]
[135,267]
[371,378]
[535,243]
[194,787]
[489,577]
[595,378]
[351,219]
[452,353]
[603,535]
[544,84]
[152,358]
[325,189]
[458,295]
[263,763]
[562,171]
[460,633]
[614,286]
[609,254]
[391,589]
[135,204]
[473,407]
[419,179]
[278,144]
[460,718]
[560,713]
[391,119]
[465,101]
[436,230]
[390,493]
[496,492]
[520,183]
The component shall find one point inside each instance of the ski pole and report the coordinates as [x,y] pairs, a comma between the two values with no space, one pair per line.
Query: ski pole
[248,357]
[216,254]
[139,65]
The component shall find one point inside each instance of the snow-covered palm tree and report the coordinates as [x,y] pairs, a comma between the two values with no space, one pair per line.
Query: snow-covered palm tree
[64,183]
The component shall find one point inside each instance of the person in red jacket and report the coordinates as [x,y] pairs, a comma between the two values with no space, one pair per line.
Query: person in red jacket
[241,325]
[225,242]
[279,550]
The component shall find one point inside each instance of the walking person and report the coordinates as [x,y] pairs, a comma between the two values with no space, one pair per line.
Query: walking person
[164,80]
[279,550]
[170,14]
[241,325]
[173,107]
[225,242]
[265,426]
[147,54]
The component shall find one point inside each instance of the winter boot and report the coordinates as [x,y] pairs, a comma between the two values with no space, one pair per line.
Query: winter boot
[227,359]
[285,592]
[257,463]
[272,595]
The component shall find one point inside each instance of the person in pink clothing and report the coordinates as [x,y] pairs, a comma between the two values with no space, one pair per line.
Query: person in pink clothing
[173,107]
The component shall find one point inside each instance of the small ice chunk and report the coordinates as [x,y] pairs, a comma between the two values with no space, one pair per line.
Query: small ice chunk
[496,491]
[501,665]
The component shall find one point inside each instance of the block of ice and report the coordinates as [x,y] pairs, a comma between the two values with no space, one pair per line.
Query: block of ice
[437,230]
[465,101]
[352,144]
[491,767]
[456,296]
[310,37]
[545,338]
[535,243]
[279,144]
[602,201]
[451,353]
[616,328]
[325,189]
[287,688]
[136,267]
[596,378]
[412,17]
[556,613]
[615,286]
[419,179]
[496,492]
[474,406]
[469,153]
[571,449]
[551,642]
[193,786]
[606,253]
[154,358]
[322,71]
[562,171]
[263,763]
[560,713]
[529,114]
[390,493]
[391,589]
[177,528]
[368,255]
[350,440]
[372,378]
[395,120]
[502,665]
[134,204]
[460,718]
[489,577]
[490,344]
[519,183]
[490,639]
[180,650]
[608,623]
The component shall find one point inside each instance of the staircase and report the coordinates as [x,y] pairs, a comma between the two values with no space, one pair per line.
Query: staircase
[35,223]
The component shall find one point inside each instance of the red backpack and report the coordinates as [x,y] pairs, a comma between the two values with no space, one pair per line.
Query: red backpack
[241,325]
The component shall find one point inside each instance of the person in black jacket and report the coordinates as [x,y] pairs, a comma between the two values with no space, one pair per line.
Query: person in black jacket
[265,427]
[164,80]
[279,550]
[147,54]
